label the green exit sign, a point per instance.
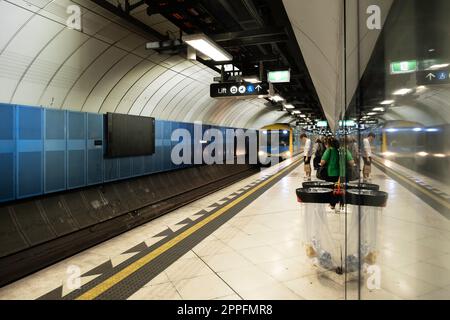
(403, 67)
(282, 76)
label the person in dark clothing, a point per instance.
(320, 149)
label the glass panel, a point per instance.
(398, 52)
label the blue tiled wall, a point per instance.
(46, 150)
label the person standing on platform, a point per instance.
(367, 156)
(307, 153)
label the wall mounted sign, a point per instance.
(433, 77)
(238, 89)
(403, 67)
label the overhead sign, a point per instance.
(322, 124)
(433, 77)
(403, 67)
(282, 76)
(238, 89)
(347, 123)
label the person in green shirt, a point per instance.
(331, 159)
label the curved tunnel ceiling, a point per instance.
(322, 43)
(105, 68)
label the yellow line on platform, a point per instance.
(418, 187)
(127, 271)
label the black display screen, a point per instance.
(129, 135)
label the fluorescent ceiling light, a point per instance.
(422, 154)
(439, 155)
(372, 114)
(386, 102)
(205, 45)
(388, 154)
(251, 79)
(391, 130)
(432, 130)
(289, 106)
(296, 112)
(277, 98)
(417, 129)
(402, 92)
(378, 109)
(303, 116)
(439, 66)
(229, 67)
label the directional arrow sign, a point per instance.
(433, 77)
(238, 89)
(430, 76)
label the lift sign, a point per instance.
(238, 89)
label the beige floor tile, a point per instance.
(442, 294)
(230, 297)
(226, 261)
(403, 285)
(164, 291)
(186, 269)
(429, 273)
(316, 287)
(243, 241)
(203, 288)
(394, 259)
(442, 261)
(261, 254)
(210, 248)
(288, 269)
(275, 291)
(247, 278)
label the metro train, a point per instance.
(288, 138)
(425, 150)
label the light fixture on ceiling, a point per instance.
(277, 98)
(387, 102)
(439, 155)
(439, 66)
(289, 106)
(296, 112)
(229, 67)
(417, 129)
(205, 45)
(391, 130)
(422, 154)
(303, 116)
(251, 79)
(402, 92)
(431, 50)
(372, 114)
(379, 109)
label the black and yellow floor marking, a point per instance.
(121, 281)
(437, 199)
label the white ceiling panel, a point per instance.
(87, 81)
(120, 90)
(108, 81)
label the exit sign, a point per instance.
(403, 67)
(282, 76)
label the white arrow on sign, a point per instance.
(430, 76)
(258, 87)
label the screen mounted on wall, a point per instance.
(129, 135)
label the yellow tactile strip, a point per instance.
(111, 277)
